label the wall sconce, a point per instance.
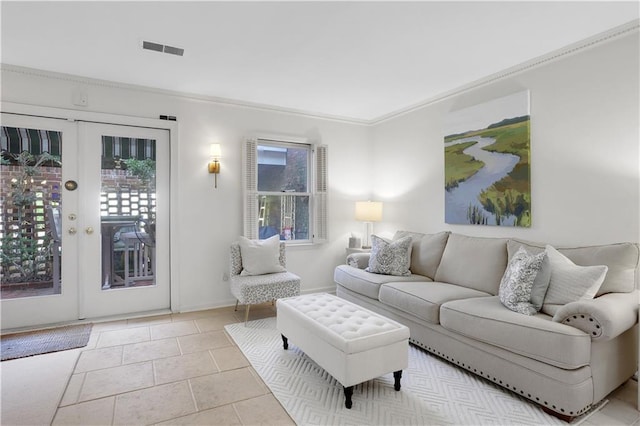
(214, 165)
(368, 212)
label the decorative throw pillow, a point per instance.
(517, 281)
(541, 282)
(570, 282)
(260, 256)
(390, 257)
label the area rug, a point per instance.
(20, 345)
(433, 391)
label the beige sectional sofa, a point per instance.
(566, 359)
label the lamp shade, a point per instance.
(369, 211)
(215, 151)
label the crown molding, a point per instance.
(183, 95)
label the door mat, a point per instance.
(20, 345)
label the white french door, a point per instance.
(84, 220)
(38, 219)
(124, 244)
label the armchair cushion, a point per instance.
(260, 257)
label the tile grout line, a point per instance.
(214, 360)
(193, 396)
(66, 386)
(113, 411)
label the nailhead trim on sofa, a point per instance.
(497, 381)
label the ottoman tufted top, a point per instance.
(344, 325)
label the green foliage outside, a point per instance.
(145, 170)
(510, 195)
(24, 258)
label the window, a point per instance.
(285, 190)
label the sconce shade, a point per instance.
(214, 151)
(369, 211)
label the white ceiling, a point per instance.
(358, 60)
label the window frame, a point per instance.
(316, 179)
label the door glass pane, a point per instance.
(30, 208)
(128, 212)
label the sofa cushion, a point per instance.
(426, 252)
(486, 320)
(570, 282)
(622, 260)
(366, 283)
(473, 262)
(541, 282)
(423, 299)
(390, 257)
(517, 281)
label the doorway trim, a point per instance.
(125, 120)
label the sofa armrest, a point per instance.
(604, 317)
(358, 260)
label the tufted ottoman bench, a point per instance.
(351, 343)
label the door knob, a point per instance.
(89, 230)
(72, 231)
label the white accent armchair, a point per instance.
(252, 289)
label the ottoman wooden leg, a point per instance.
(397, 375)
(348, 392)
(285, 342)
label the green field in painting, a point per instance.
(459, 166)
(510, 195)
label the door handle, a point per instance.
(72, 231)
(89, 230)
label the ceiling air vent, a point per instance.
(149, 45)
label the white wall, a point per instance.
(585, 170)
(210, 219)
(584, 153)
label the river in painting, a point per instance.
(496, 166)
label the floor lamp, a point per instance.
(368, 212)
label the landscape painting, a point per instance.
(487, 163)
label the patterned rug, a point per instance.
(433, 391)
(20, 345)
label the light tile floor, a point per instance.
(169, 369)
(183, 369)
